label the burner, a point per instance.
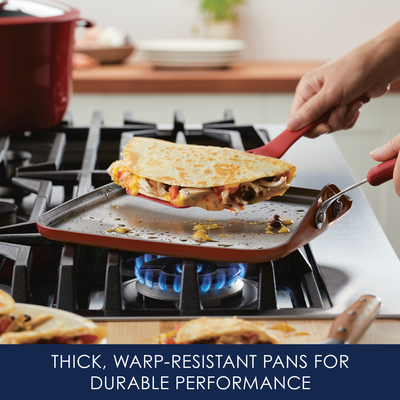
(160, 278)
(7, 213)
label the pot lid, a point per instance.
(31, 11)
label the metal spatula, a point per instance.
(376, 176)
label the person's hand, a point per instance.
(340, 87)
(390, 150)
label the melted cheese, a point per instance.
(209, 203)
(201, 236)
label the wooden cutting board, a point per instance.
(381, 331)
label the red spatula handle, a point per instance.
(277, 147)
(381, 173)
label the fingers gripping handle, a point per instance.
(382, 172)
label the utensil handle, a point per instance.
(349, 326)
(277, 147)
(382, 172)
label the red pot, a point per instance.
(36, 44)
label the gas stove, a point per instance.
(41, 170)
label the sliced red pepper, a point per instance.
(4, 324)
(88, 338)
(58, 340)
(169, 341)
(233, 189)
(286, 175)
(119, 173)
(250, 338)
(173, 192)
(179, 326)
(219, 189)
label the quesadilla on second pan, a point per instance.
(218, 331)
(12, 320)
(214, 178)
(81, 335)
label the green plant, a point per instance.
(220, 9)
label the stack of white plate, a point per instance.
(191, 53)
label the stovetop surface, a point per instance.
(351, 259)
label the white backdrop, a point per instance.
(310, 30)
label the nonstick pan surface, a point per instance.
(109, 218)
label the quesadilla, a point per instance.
(218, 331)
(81, 335)
(12, 320)
(213, 178)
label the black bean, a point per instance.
(278, 218)
(275, 223)
(27, 318)
(166, 187)
(249, 194)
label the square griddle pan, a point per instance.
(149, 227)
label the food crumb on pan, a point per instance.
(118, 229)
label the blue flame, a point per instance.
(206, 284)
(162, 281)
(147, 257)
(138, 275)
(177, 283)
(221, 279)
(179, 268)
(139, 261)
(242, 271)
(149, 277)
(232, 273)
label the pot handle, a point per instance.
(86, 23)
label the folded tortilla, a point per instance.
(214, 178)
(12, 320)
(218, 331)
(77, 335)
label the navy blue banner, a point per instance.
(199, 371)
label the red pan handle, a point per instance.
(277, 147)
(382, 172)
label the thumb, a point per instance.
(389, 150)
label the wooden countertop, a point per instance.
(243, 77)
(381, 331)
(249, 77)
